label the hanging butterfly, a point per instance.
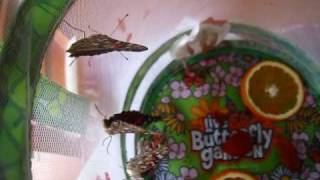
(144, 163)
(128, 122)
(100, 44)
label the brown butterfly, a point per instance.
(100, 44)
(147, 161)
(128, 122)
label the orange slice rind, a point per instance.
(233, 175)
(272, 90)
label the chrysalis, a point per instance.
(142, 164)
(100, 44)
(203, 38)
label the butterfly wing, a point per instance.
(128, 122)
(134, 117)
(120, 127)
(100, 44)
(145, 162)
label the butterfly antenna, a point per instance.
(74, 60)
(108, 145)
(75, 28)
(125, 57)
(117, 26)
(98, 110)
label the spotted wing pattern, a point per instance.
(100, 44)
(145, 162)
(120, 127)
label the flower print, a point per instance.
(188, 173)
(283, 173)
(299, 121)
(165, 100)
(305, 173)
(201, 91)
(247, 60)
(310, 175)
(205, 109)
(299, 141)
(233, 78)
(229, 58)
(203, 63)
(295, 124)
(300, 136)
(309, 100)
(175, 122)
(301, 148)
(222, 58)
(218, 72)
(191, 78)
(314, 176)
(176, 150)
(164, 108)
(179, 90)
(208, 62)
(218, 89)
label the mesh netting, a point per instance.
(59, 120)
(48, 139)
(56, 107)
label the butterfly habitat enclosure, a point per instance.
(197, 104)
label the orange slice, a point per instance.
(272, 90)
(233, 175)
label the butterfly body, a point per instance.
(100, 44)
(128, 122)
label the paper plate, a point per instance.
(201, 113)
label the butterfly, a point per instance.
(100, 44)
(147, 161)
(127, 122)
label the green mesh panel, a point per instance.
(59, 119)
(54, 106)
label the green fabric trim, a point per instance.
(20, 63)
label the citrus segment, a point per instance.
(272, 90)
(233, 175)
